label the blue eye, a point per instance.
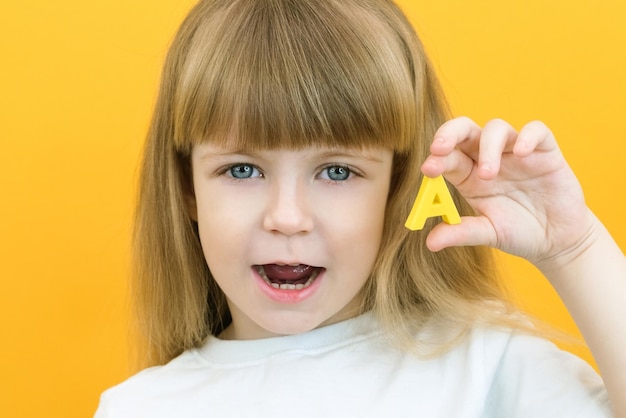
(337, 173)
(243, 171)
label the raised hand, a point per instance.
(528, 200)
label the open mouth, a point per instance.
(288, 277)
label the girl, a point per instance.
(274, 274)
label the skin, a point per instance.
(314, 206)
(530, 204)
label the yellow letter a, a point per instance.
(433, 199)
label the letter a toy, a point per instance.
(433, 199)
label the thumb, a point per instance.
(473, 230)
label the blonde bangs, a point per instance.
(291, 74)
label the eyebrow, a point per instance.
(331, 153)
(352, 154)
(226, 153)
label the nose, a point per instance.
(288, 211)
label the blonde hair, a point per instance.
(296, 73)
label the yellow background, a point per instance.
(77, 83)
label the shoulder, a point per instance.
(513, 372)
(530, 376)
(153, 384)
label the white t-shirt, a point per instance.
(347, 370)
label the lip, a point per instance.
(288, 296)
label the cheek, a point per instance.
(358, 227)
(223, 208)
(371, 217)
(370, 234)
(224, 230)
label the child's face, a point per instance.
(290, 236)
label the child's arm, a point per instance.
(530, 204)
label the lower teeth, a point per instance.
(287, 286)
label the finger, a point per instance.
(456, 166)
(446, 157)
(473, 230)
(454, 132)
(497, 137)
(534, 136)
